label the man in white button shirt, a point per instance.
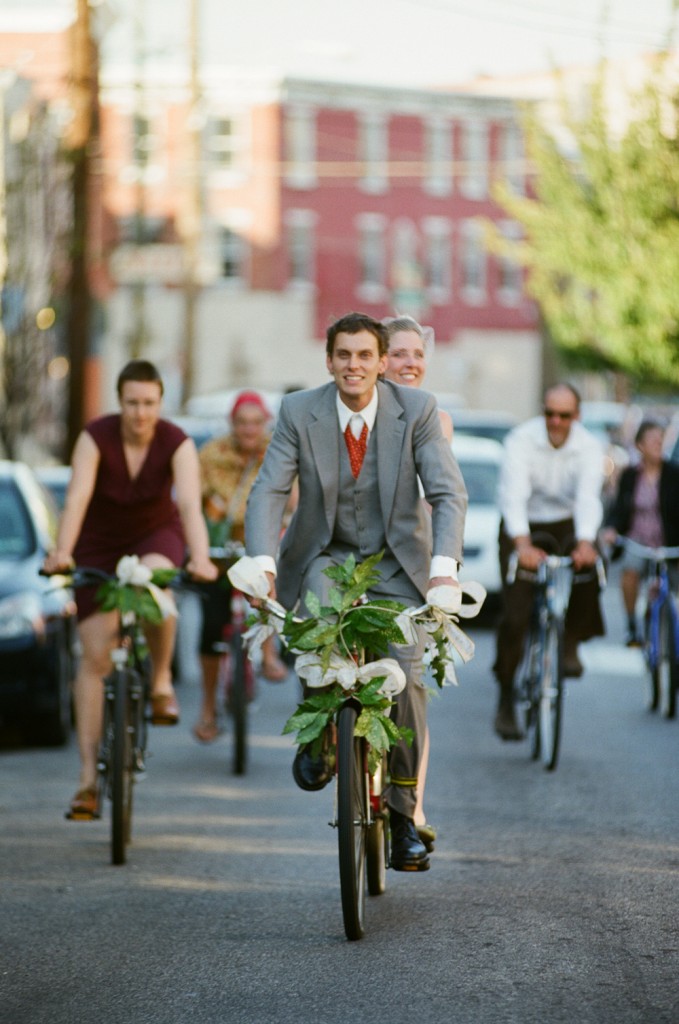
(550, 483)
(351, 503)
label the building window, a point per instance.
(437, 258)
(406, 269)
(300, 228)
(474, 154)
(472, 263)
(510, 276)
(512, 157)
(438, 158)
(300, 147)
(372, 257)
(232, 254)
(373, 152)
(224, 142)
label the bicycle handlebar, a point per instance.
(661, 554)
(552, 562)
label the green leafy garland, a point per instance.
(353, 631)
(114, 595)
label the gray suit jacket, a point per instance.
(305, 445)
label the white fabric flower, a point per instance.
(407, 626)
(248, 576)
(131, 572)
(395, 677)
(477, 592)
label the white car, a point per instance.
(479, 459)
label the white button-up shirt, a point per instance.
(543, 484)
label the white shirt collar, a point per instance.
(368, 414)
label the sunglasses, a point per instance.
(554, 414)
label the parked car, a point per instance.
(37, 618)
(55, 479)
(489, 423)
(479, 459)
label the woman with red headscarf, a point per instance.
(229, 465)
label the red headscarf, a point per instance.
(249, 398)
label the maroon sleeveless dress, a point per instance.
(128, 516)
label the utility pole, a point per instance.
(194, 207)
(139, 333)
(82, 131)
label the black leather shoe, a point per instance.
(506, 725)
(310, 773)
(408, 852)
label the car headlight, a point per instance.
(21, 614)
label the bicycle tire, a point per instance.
(238, 703)
(121, 766)
(653, 674)
(667, 669)
(352, 821)
(526, 702)
(551, 694)
(377, 837)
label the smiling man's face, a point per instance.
(356, 364)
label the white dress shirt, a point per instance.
(543, 484)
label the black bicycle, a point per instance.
(236, 674)
(127, 688)
(539, 681)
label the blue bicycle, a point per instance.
(661, 625)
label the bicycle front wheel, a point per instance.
(121, 765)
(551, 695)
(238, 703)
(352, 820)
(667, 668)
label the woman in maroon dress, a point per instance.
(135, 489)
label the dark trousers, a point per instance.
(583, 617)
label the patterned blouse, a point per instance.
(226, 479)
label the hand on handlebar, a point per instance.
(584, 555)
(202, 569)
(57, 562)
(529, 556)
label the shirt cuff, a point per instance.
(441, 565)
(267, 563)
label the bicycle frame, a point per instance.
(661, 649)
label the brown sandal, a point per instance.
(84, 805)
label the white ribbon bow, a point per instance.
(133, 573)
(348, 674)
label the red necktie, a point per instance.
(356, 447)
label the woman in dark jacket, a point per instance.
(645, 509)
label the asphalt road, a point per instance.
(552, 897)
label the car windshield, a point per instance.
(481, 479)
(16, 534)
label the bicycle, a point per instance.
(539, 681)
(121, 757)
(661, 627)
(350, 718)
(236, 678)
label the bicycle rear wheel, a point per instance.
(121, 766)
(550, 695)
(238, 702)
(667, 669)
(352, 821)
(377, 837)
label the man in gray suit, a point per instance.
(363, 504)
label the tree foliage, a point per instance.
(601, 231)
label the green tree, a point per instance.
(601, 230)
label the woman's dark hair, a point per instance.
(354, 323)
(644, 428)
(139, 370)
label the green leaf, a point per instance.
(313, 604)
